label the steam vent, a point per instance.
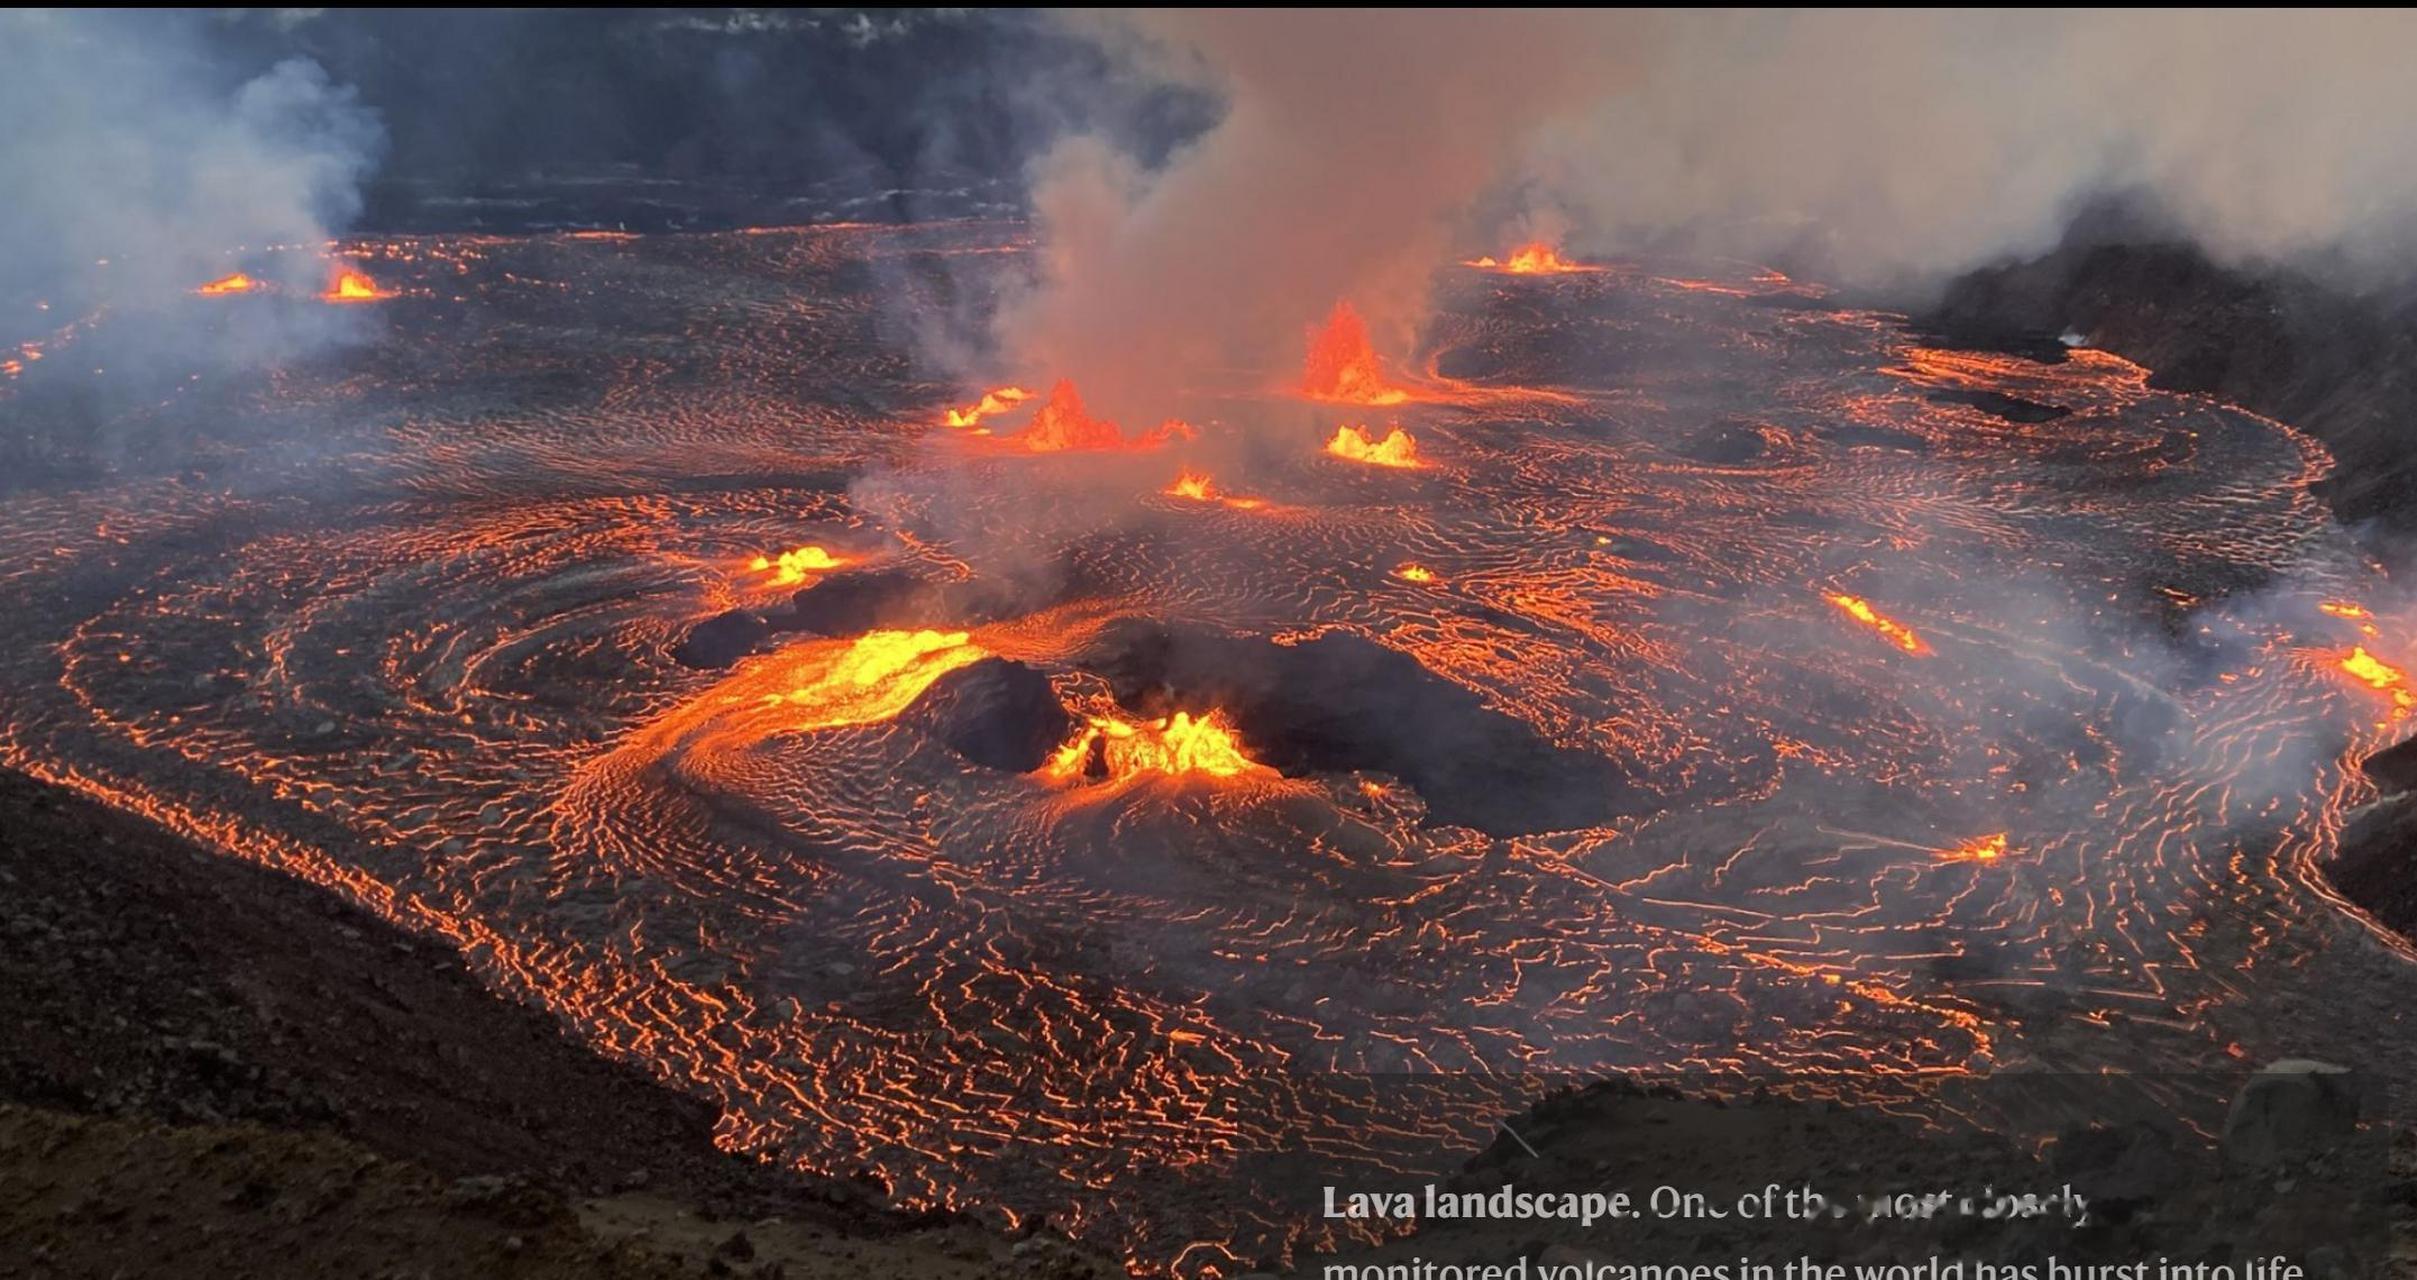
(1372, 645)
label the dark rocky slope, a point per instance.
(211, 1069)
(2340, 366)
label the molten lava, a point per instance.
(873, 679)
(1534, 259)
(1897, 632)
(1192, 486)
(1115, 748)
(350, 285)
(2380, 676)
(236, 283)
(1395, 450)
(791, 567)
(998, 401)
(1342, 366)
(1063, 424)
(1987, 848)
(1415, 573)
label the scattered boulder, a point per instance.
(2289, 1111)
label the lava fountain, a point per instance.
(1111, 747)
(1397, 449)
(350, 284)
(1343, 366)
(792, 567)
(996, 401)
(1534, 259)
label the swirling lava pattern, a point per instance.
(409, 639)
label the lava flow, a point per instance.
(942, 874)
(1988, 848)
(236, 283)
(1897, 632)
(867, 680)
(2379, 675)
(993, 402)
(794, 566)
(1397, 449)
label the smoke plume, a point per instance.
(1349, 148)
(138, 166)
(1881, 150)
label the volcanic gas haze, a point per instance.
(1349, 145)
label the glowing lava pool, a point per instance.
(1952, 712)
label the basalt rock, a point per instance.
(2340, 366)
(854, 602)
(2375, 861)
(2395, 767)
(2289, 1111)
(721, 640)
(1340, 703)
(996, 713)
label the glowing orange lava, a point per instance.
(1193, 485)
(1987, 848)
(236, 283)
(1395, 450)
(996, 401)
(1534, 259)
(1897, 632)
(1342, 366)
(873, 679)
(350, 285)
(1115, 748)
(1415, 573)
(791, 567)
(2379, 675)
(2343, 609)
(1063, 424)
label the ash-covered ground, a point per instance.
(1737, 686)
